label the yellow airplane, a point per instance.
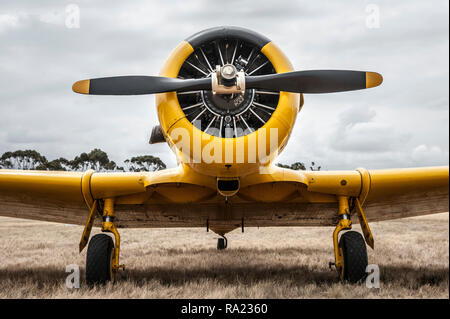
(227, 100)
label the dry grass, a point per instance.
(413, 256)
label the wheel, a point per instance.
(354, 254)
(99, 260)
(221, 244)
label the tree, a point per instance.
(145, 163)
(299, 166)
(99, 160)
(111, 166)
(80, 163)
(60, 164)
(313, 168)
(295, 166)
(96, 159)
(5, 163)
(28, 159)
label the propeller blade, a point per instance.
(135, 85)
(316, 81)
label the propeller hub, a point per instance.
(228, 73)
(228, 104)
(227, 80)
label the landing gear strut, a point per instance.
(350, 251)
(222, 243)
(102, 260)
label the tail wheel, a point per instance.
(221, 243)
(99, 260)
(354, 253)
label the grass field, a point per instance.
(413, 256)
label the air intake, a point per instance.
(227, 186)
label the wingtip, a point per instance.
(81, 87)
(373, 79)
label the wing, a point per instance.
(66, 197)
(49, 196)
(310, 197)
(181, 197)
(398, 193)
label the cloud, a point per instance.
(8, 21)
(356, 115)
(383, 127)
(428, 154)
(358, 131)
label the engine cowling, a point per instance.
(226, 132)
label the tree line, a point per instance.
(96, 159)
(300, 166)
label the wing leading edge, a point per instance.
(182, 198)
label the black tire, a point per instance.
(98, 260)
(221, 244)
(354, 253)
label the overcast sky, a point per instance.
(403, 123)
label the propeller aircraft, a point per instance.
(227, 99)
